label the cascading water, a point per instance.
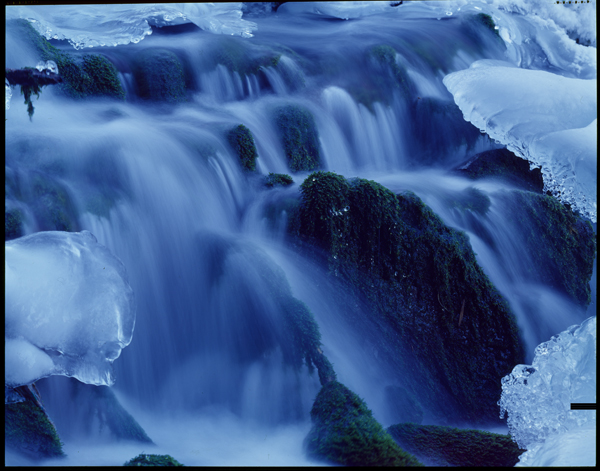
(159, 185)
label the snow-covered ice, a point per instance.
(69, 308)
(547, 119)
(538, 400)
(112, 25)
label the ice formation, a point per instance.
(49, 66)
(112, 25)
(69, 309)
(7, 94)
(547, 119)
(538, 397)
(342, 10)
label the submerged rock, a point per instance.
(28, 429)
(446, 446)
(299, 136)
(422, 284)
(345, 432)
(504, 165)
(160, 76)
(278, 179)
(13, 224)
(241, 140)
(153, 460)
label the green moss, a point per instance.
(278, 179)
(160, 76)
(446, 446)
(561, 245)
(299, 137)
(504, 165)
(419, 278)
(384, 57)
(52, 206)
(488, 22)
(345, 432)
(94, 75)
(28, 430)
(241, 140)
(153, 460)
(238, 56)
(13, 224)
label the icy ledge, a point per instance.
(538, 399)
(547, 119)
(69, 308)
(115, 24)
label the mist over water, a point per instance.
(204, 375)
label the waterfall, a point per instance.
(161, 187)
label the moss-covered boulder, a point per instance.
(160, 76)
(153, 460)
(446, 446)
(88, 75)
(278, 179)
(345, 432)
(502, 164)
(241, 140)
(13, 224)
(52, 205)
(420, 279)
(560, 244)
(299, 136)
(28, 429)
(239, 56)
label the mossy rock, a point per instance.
(160, 76)
(13, 224)
(278, 179)
(561, 245)
(52, 206)
(488, 22)
(345, 432)
(92, 75)
(469, 199)
(419, 278)
(438, 127)
(28, 429)
(299, 136)
(504, 165)
(241, 140)
(153, 460)
(238, 56)
(446, 446)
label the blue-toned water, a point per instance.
(203, 375)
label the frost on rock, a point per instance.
(538, 397)
(116, 24)
(544, 118)
(69, 309)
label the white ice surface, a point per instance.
(69, 309)
(115, 24)
(538, 400)
(544, 118)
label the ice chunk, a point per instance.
(49, 66)
(544, 118)
(115, 24)
(7, 94)
(69, 308)
(342, 10)
(538, 397)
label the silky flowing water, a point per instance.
(190, 225)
